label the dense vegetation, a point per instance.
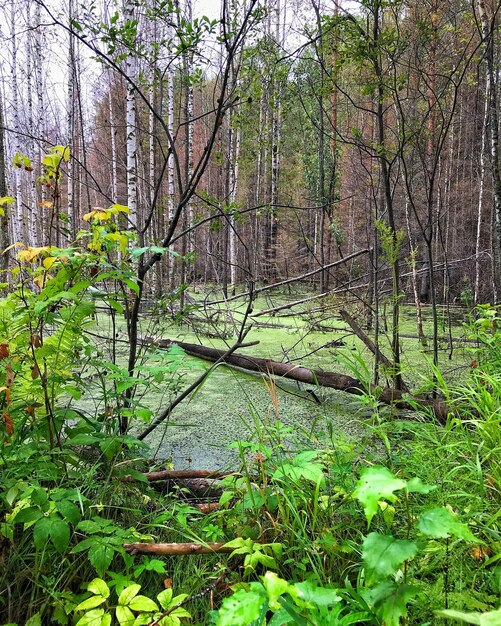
(291, 203)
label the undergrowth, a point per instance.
(325, 531)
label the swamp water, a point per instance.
(232, 405)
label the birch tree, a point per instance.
(488, 30)
(131, 117)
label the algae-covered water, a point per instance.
(233, 405)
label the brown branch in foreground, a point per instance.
(333, 380)
(179, 474)
(174, 549)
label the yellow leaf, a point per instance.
(97, 214)
(119, 208)
(6, 200)
(39, 281)
(46, 203)
(30, 254)
(49, 262)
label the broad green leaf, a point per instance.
(98, 586)
(29, 514)
(39, 497)
(41, 532)
(142, 603)
(128, 594)
(241, 609)
(92, 618)
(304, 465)
(69, 511)
(375, 484)
(124, 615)
(383, 554)
(440, 522)
(390, 601)
(59, 533)
(416, 485)
(275, 587)
(165, 597)
(320, 596)
(100, 556)
(492, 618)
(90, 603)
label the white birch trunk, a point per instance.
(170, 157)
(481, 192)
(18, 223)
(235, 156)
(44, 212)
(131, 129)
(71, 122)
(113, 137)
(33, 203)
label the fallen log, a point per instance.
(332, 380)
(179, 475)
(174, 549)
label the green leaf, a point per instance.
(165, 597)
(376, 483)
(304, 465)
(320, 596)
(100, 556)
(416, 485)
(90, 603)
(241, 609)
(29, 514)
(275, 587)
(492, 618)
(34, 620)
(383, 554)
(128, 594)
(92, 618)
(390, 601)
(125, 616)
(142, 603)
(41, 532)
(92, 526)
(98, 586)
(59, 533)
(439, 522)
(39, 497)
(69, 511)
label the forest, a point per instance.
(250, 299)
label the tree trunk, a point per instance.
(333, 380)
(488, 30)
(131, 128)
(4, 219)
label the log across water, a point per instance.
(333, 380)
